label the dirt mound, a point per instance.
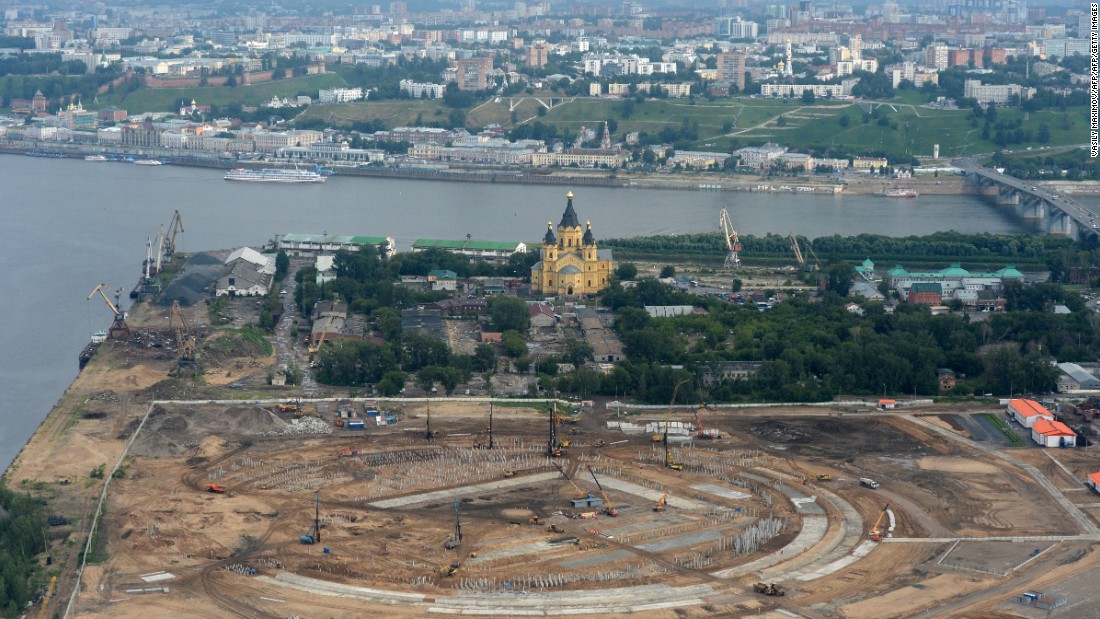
(170, 432)
(780, 432)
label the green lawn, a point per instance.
(166, 99)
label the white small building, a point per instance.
(1027, 412)
(1094, 481)
(242, 278)
(339, 95)
(265, 263)
(1048, 433)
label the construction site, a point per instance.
(230, 496)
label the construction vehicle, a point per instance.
(491, 445)
(509, 474)
(450, 570)
(703, 433)
(119, 328)
(661, 503)
(733, 243)
(315, 348)
(289, 407)
(769, 589)
(314, 536)
(867, 482)
(875, 534)
(430, 434)
(534, 520)
(553, 445)
(581, 494)
(555, 529)
(609, 509)
(215, 488)
(186, 363)
(456, 539)
(669, 462)
(823, 477)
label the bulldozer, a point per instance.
(823, 477)
(769, 589)
(215, 488)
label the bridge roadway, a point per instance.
(1044, 205)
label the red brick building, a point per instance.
(926, 294)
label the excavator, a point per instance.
(660, 507)
(768, 589)
(876, 530)
(703, 433)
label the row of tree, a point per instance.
(22, 539)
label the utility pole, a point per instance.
(490, 422)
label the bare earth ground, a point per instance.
(387, 499)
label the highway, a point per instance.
(1087, 221)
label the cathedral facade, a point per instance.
(571, 263)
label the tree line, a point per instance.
(22, 539)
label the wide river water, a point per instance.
(68, 225)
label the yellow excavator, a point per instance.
(876, 530)
(660, 507)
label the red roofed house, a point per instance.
(542, 315)
(1053, 434)
(1027, 412)
(1094, 481)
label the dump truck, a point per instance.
(867, 482)
(768, 589)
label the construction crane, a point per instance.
(660, 507)
(581, 494)
(490, 424)
(610, 509)
(733, 242)
(170, 242)
(669, 462)
(314, 536)
(320, 342)
(876, 530)
(185, 341)
(553, 445)
(119, 328)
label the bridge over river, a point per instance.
(1051, 212)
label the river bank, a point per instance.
(802, 184)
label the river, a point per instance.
(69, 225)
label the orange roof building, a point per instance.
(1094, 481)
(1027, 412)
(1049, 433)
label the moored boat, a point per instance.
(898, 192)
(274, 175)
(95, 158)
(148, 162)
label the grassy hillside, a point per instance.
(166, 99)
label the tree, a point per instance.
(282, 265)
(839, 278)
(485, 358)
(626, 271)
(844, 120)
(668, 271)
(392, 383)
(509, 314)
(808, 97)
(577, 352)
(514, 344)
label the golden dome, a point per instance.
(569, 195)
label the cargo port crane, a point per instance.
(733, 242)
(186, 362)
(800, 258)
(175, 227)
(119, 328)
